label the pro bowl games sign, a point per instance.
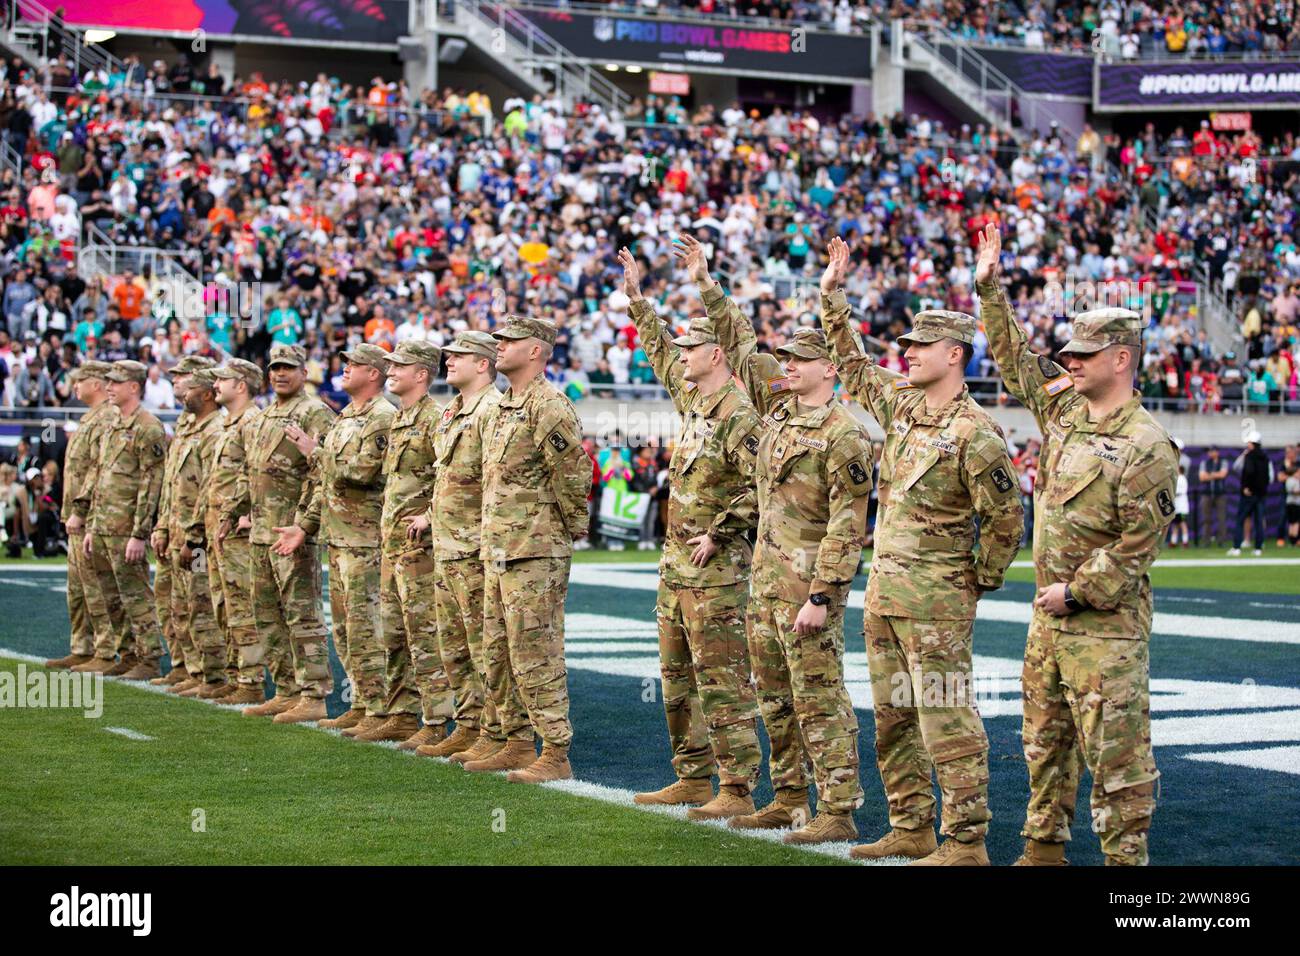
(707, 47)
(1197, 85)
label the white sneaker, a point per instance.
(1234, 552)
(616, 546)
(1258, 552)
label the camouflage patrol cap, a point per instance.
(204, 377)
(190, 364)
(935, 324)
(523, 327)
(282, 354)
(417, 353)
(700, 332)
(92, 369)
(807, 344)
(126, 370)
(481, 344)
(367, 354)
(1101, 328)
(240, 369)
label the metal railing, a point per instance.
(33, 29)
(549, 65)
(624, 8)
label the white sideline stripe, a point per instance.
(128, 733)
(1280, 759)
(579, 788)
(1018, 612)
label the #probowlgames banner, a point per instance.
(1197, 85)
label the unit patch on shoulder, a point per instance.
(858, 474)
(382, 442)
(157, 450)
(1166, 503)
(1001, 480)
(558, 441)
(1047, 367)
(751, 444)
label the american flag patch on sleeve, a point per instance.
(775, 385)
(1057, 385)
(902, 383)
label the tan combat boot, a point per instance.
(142, 671)
(513, 755)
(730, 802)
(553, 764)
(913, 844)
(100, 665)
(276, 705)
(225, 690)
(183, 688)
(480, 749)
(213, 691)
(1042, 853)
(71, 660)
(462, 740)
(690, 790)
(245, 694)
(396, 727)
(307, 710)
(429, 734)
(789, 809)
(174, 676)
(826, 827)
(955, 853)
(366, 724)
(349, 718)
(123, 665)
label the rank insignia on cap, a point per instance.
(1001, 480)
(558, 441)
(751, 444)
(1166, 503)
(857, 474)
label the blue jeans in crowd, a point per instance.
(1252, 507)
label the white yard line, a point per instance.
(128, 733)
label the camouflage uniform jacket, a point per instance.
(456, 510)
(410, 465)
(163, 518)
(813, 475)
(80, 460)
(188, 481)
(277, 491)
(124, 499)
(1104, 494)
(940, 469)
(712, 464)
(227, 482)
(536, 475)
(347, 476)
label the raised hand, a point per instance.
(631, 274)
(988, 264)
(306, 443)
(838, 266)
(690, 255)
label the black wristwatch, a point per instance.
(819, 599)
(1071, 602)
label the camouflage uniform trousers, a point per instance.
(354, 611)
(414, 679)
(212, 557)
(523, 647)
(709, 698)
(233, 569)
(1094, 688)
(196, 619)
(805, 705)
(96, 618)
(162, 599)
(287, 614)
(129, 582)
(458, 602)
(924, 700)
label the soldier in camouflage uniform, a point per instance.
(94, 618)
(122, 505)
(230, 557)
(187, 541)
(1103, 501)
(536, 478)
(455, 515)
(286, 579)
(944, 466)
(704, 574)
(415, 684)
(169, 600)
(347, 504)
(813, 488)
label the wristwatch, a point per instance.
(1071, 602)
(819, 600)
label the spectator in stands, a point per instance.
(1256, 472)
(1212, 504)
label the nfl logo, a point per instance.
(604, 28)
